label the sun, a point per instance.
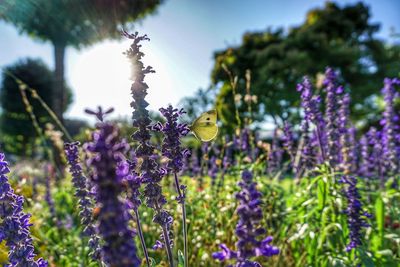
(100, 75)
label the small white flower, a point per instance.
(205, 257)
(223, 209)
(238, 98)
(247, 98)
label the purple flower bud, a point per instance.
(333, 91)
(14, 224)
(248, 229)
(84, 197)
(389, 131)
(119, 248)
(355, 213)
(158, 245)
(173, 132)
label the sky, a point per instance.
(184, 35)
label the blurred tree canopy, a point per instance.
(340, 37)
(73, 23)
(18, 133)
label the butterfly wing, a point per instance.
(205, 127)
(209, 116)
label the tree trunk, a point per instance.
(59, 96)
(59, 99)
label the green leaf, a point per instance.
(380, 219)
(385, 252)
(152, 262)
(181, 259)
(366, 258)
(321, 194)
(328, 230)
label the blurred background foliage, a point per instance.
(340, 37)
(16, 126)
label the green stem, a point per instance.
(168, 246)
(167, 241)
(182, 202)
(140, 231)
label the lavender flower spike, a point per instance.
(288, 141)
(14, 224)
(173, 132)
(389, 132)
(171, 148)
(275, 156)
(312, 114)
(248, 230)
(356, 216)
(84, 199)
(150, 174)
(310, 105)
(119, 248)
(346, 155)
(332, 116)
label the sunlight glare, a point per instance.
(101, 74)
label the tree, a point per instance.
(75, 23)
(15, 123)
(340, 37)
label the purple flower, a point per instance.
(353, 149)
(346, 153)
(158, 245)
(275, 156)
(333, 91)
(288, 141)
(108, 152)
(228, 159)
(389, 130)
(100, 114)
(134, 182)
(245, 142)
(356, 216)
(248, 229)
(173, 132)
(224, 254)
(150, 174)
(171, 149)
(14, 224)
(195, 165)
(213, 169)
(82, 193)
(310, 104)
(376, 161)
